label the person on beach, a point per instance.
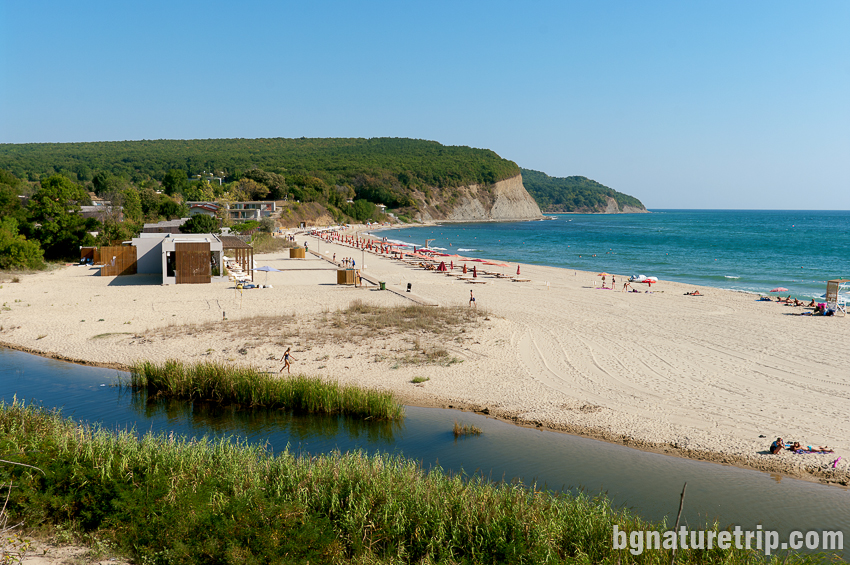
(613, 283)
(334, 257)
(472, 299)
(777, 446)
(287, 358)
(626, 286)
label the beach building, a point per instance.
(238, 211)
(180, 258)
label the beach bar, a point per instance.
(178, 258)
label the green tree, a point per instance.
(55, 208)
(267, 225)
(132, 204)
(105, 183)
(150, 201)
(16, 252)
(249, 189)
(201, 191)
(200, 223)
(174, 181)
(170, 209)
(362, 210)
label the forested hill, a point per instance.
(394, 164)
(575, 194)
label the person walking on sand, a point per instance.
(286, 360)
(472, 299)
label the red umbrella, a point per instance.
(517, 270)
(474, 271)
(779, 289)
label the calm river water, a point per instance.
(648, 483)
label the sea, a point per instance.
(752, 251)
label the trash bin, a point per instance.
(409, 287)
(382, 285)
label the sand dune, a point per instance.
(703, 377)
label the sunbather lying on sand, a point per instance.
(797, 448)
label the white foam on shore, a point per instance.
(462, 249)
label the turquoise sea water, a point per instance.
(745, 250)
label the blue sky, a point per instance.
(681, 104)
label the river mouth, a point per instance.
(647, 483)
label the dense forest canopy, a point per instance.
(572, 194)
(379, 161)
(44, 185)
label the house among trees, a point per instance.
(238, 211)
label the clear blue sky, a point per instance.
(682, 104)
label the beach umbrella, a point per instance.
(517, 270)
(779, 289)
(268, 270)
(475, 271)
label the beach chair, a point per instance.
(835, 300)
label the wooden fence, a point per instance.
(118, 260)
(193, 263)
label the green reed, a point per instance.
(162, 499)
(233, 384)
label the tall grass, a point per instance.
(170, 500)
(465, 430)
(232, 384)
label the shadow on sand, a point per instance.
(134, 280)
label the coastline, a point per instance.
(643, 370)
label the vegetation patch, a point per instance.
(266, 243)
(247, 386)
(465, 430)
(161, 499)
(428, 327)
(110, 334)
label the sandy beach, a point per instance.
(714, 377)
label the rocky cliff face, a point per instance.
(613, 208)
(504, 200)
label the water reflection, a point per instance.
(648, 483)
(205, 417)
